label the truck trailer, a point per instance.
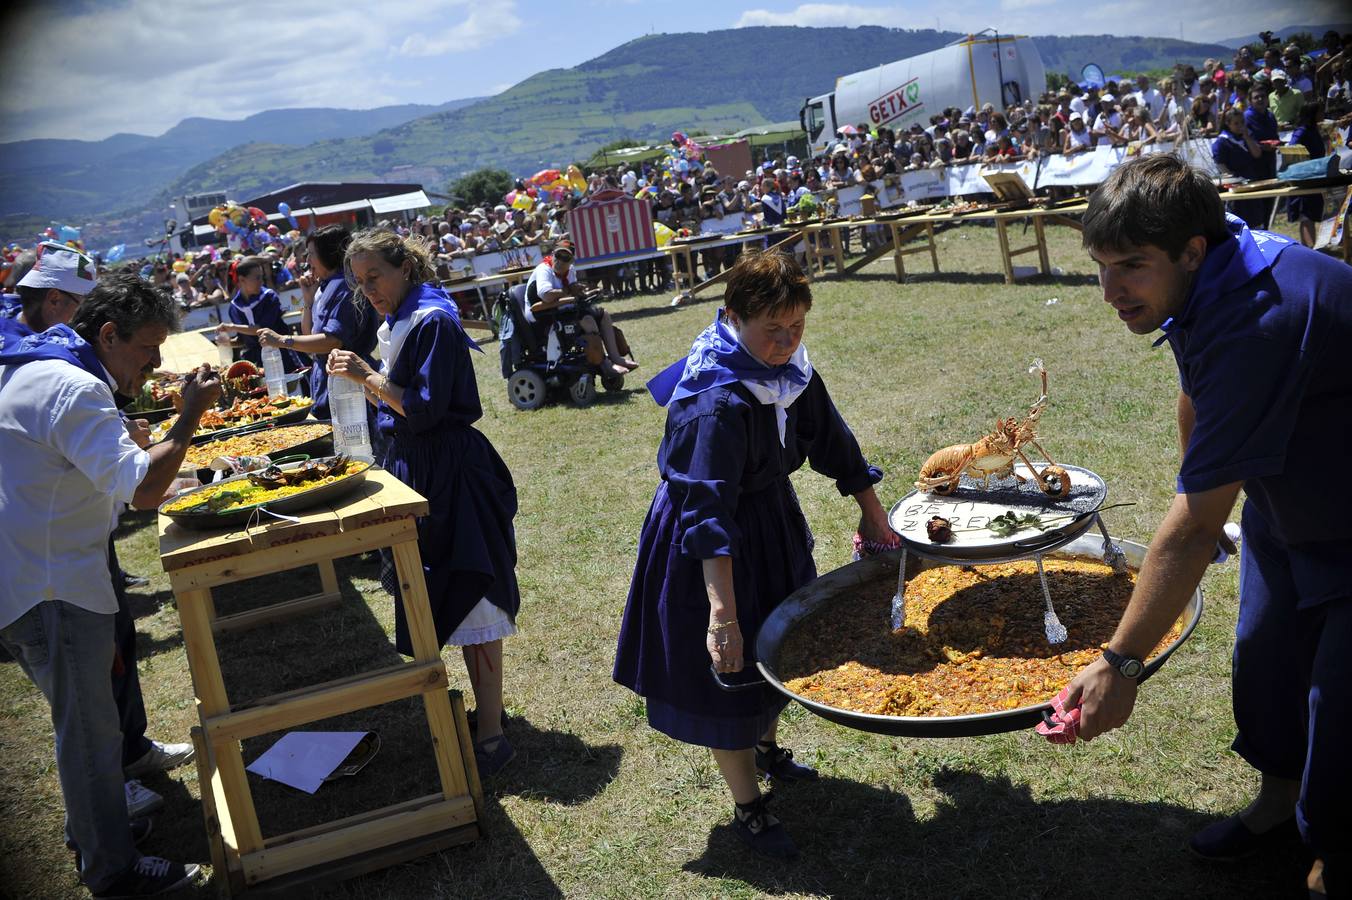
(986, 68)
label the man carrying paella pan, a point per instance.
(1261, 330)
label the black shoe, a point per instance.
(761, 831)
(472, 717)
(1230, 839)
(151, 875)
(140, 830)
(134, 581)
(774, 761)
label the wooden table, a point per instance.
(382, 512)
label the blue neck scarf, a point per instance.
(1228, 266)
(57, 342)
(718, 358)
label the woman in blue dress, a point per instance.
(331, 320)
(427, 402)
(725, 541)
(1308, 209)
(255, 307)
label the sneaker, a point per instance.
(140, 830)
(159, 758)
(151, 875)
(776, 762)
(491, 762)
(1230, 839)
(141, 800)
(761, 830)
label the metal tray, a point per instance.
(313, 448)
(211, 521)
(807, 600)
(971, 506)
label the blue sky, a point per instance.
(84, 69)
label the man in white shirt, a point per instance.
(68, 465)
(1108, 124)
(1149, 98)
(550, 287)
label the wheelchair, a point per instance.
(551, 353)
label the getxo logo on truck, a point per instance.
(897, 102)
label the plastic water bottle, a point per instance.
(226, 353)
(347, 406)
(274, 373)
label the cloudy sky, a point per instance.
(87, 69)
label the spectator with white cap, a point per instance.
(50, 292)
(1078, 138)
(1284, 101)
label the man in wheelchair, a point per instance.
(554, 293)
(553, 334)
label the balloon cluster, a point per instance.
(556, 185)
(63, 234)
(242, 222)
(683, 156)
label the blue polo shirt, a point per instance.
(11, 329)
(1264, 350)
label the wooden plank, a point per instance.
(1043, 260)
(204, 759)
(467, 751)
(371, 815)
(280, 558)
(1000, 229)
(235, 809)
(294, 708)
(328, 577)
(898, 257)
(934, 251)
(277, 612)
(422, 635)
(344, 842)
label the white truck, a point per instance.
(978, 69)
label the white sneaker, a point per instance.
(141, 799)
(159, 758)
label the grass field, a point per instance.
(599, 805)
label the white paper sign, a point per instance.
(303, 759)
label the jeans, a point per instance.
(131, 706)
(67, 651)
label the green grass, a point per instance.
(599, 805)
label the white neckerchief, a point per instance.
(782, 391)
(391, 340)
(248, 310)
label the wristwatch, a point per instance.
(1126, 666)
(288, 342)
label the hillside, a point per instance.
(644, 89)
(66, 178)
(1316, 30)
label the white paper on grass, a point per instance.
(303, 759)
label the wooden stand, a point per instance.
(903, 231)
(1039, 246)
(381, 513)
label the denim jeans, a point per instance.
(67, 651)
(131, 706)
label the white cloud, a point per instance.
(828, 15)
(488, 21)
(1025, 4)
(143, 65)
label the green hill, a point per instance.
(66, 178)
(708, 82)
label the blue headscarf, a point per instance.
(57, 342)
(1230, 265)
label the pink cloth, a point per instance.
(1065, 723)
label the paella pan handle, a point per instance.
(1145, 675)
(295, 457)
(736, 686)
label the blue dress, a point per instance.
(337, 315)
(265, 312)
(467, 541)
(725, 491)
(1307, 206)
(1231, 153)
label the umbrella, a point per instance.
(848, 129)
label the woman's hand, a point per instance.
(725, 646)
(873, 524)
(346, 364)
(269, 338)
(309, 284)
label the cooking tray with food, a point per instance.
(811, 606)
(311, 439)
(282, 488)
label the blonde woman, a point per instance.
(427, 402)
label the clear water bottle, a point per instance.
(225, 352)
(274, 373)
(347, 406)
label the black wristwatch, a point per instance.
(1126, 666)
